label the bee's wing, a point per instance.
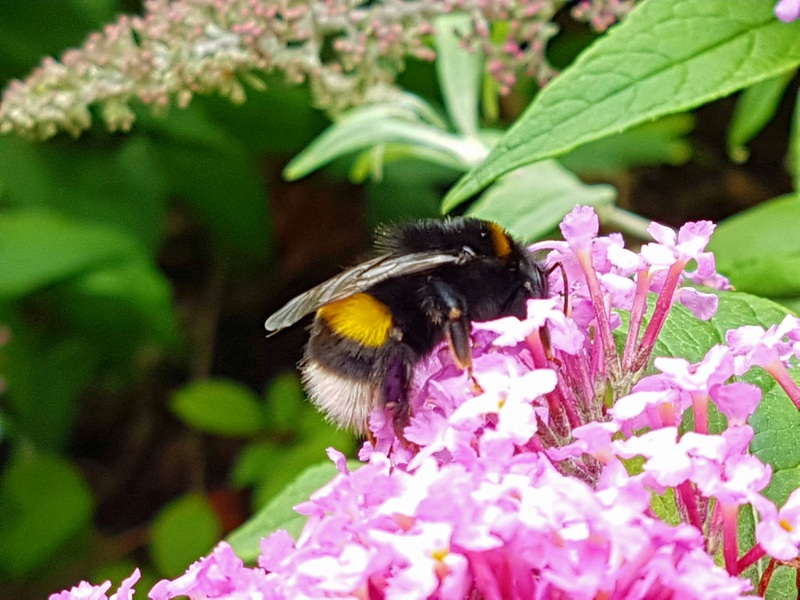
(357, 279)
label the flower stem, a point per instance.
(730, 540)
(601, 314)
(663, 304)
(643, 279)
(778, 370)
(700, 406)
(687, 498)
(766, 578)
(754, 554)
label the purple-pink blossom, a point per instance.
(534, 476)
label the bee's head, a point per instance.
(534, 276)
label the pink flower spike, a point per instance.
(779, 531)
(788, 10)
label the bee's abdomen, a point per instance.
(345, 401)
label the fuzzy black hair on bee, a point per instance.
(373, 322)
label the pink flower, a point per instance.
(86, 591)
(779, 531)
(222, 574)
(580, 228)
(788, 10)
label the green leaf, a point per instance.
(116, 181)
(185, 529)
(777, 440)
(41, 249)
(755, 107)
(531, 201)
(659, 142)
(118, 307)
(43, 503)
(686, 336)
(372, 163)
(759, 249)
(459, 70)
(286, 401)
(254, 463)
(279, 513)
(783, 585)
(794, 145)
(370, 126)
(44, 375)
(666, 57)
(220, 407)
(737, 309)
(280, 119)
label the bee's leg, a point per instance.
(395, 395)
(449, 309)
(566, 284)
(543, 332)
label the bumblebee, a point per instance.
(373, 322)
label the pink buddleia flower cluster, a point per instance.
(535, 476)
(179, 48)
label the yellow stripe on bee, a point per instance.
(361, 318)
(502, 245)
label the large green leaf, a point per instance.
(219, 406)
(43, 502)
(44, 374)
(185, 529)
(759, 249)
(40, 248)
(654, 143)
(112, 181)
(754, 109)
(666, 57)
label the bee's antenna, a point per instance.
(558, 265)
